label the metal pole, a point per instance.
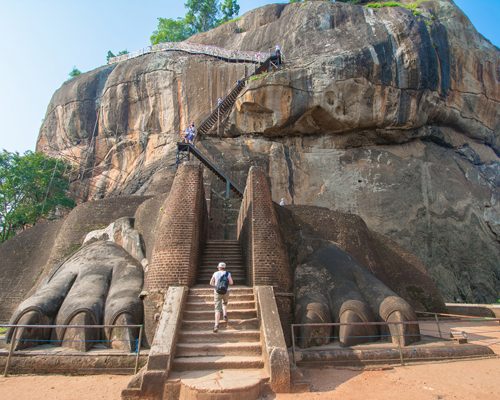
(293, 347)
(228, 188)
(400, 351)
(138, 350)
(11, 350)
(437, 323)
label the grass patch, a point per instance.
(258, 77)
(231, 20)
(3, 331)
(413, 7)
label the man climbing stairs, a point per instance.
(236, 345)
(229, 361)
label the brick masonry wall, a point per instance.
(263, 246)
(181, 232)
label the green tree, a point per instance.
(74, 73)
(171, 30)
(229, 9)
(202, 15)
(31, 186)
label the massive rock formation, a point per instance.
(378, 112)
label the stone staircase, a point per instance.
(236, 345)
(228, 363)
(228, 251)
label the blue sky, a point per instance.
(41, 41)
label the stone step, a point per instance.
(237, 290)
(236, 324)
(209, 297)
(213, 267)
(214, 349)
(212, 264)
(216, 362)
(241, 384)
(231, 270)
(207, 276)
(243, 313)
(209, 305)
(228, 243)
(224, 335)
(230, 252)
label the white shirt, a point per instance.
(217, 275)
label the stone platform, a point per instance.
(48, 359)
(381, 353)
(241, 384)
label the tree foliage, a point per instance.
(229, 10)
(74, 73)
(171, 30)
(31, 186)
(201, 16)
(111, 54)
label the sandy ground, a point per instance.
(467, 380)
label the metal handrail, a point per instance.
(195, 48)
(14, 338)
(436, 317)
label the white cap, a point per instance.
(222, 265)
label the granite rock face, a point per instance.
(381, 113)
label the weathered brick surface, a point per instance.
(265, 253)
(181, 232)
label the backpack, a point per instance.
(223, 284)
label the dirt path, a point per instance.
(58, 387)
(464, 380)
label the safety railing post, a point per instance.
(138, 350)
(400, 337)
(438, 327)
(293, 346)
(11, 351)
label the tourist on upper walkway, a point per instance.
(188, 134)
(219, 101)
(221, 281)
(282, 202)
(277, 55)
(193, 133)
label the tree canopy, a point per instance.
(74, 73)
(201, 16)
(31, 186)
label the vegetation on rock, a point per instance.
(202, 15)
(74, 73)
(31, 186)
(411, 6)
(111, 54)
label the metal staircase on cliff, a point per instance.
(184, 150)
(228, 102)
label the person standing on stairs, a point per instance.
(221, 281)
